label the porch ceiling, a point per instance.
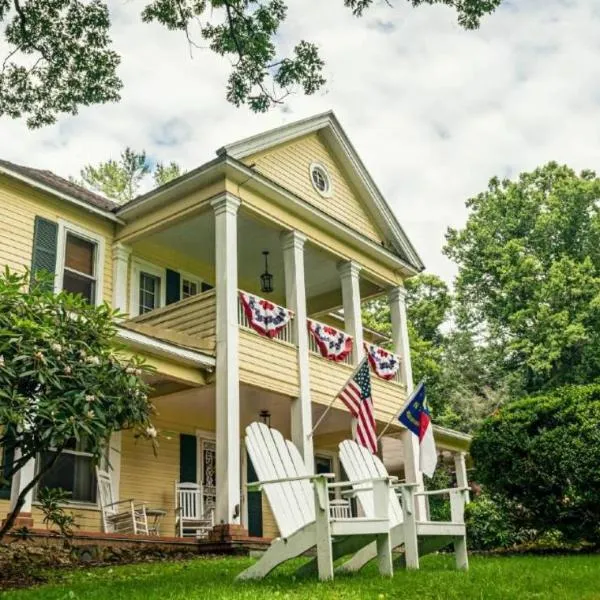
(194, 239)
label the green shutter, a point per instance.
(255, 521)
(173, 286)
(45, 237)
(188, 459)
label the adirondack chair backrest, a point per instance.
(273, 457)
(105, 493)
(360, 464)
(189, 500)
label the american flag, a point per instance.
(356, 395)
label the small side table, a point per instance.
(155, 516)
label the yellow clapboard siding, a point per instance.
(19, 205)
(289, 165)
(327, 378)
(268, 364)
(270, 529)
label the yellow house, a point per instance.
(175, 260)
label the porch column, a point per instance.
(400, 340)
(227, 511)
(121, 254)
(295, 293)
(460, 465)
(349, 275)
(20, 480)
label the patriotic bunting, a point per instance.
(384, 363)
(266, 318)
(333, 344)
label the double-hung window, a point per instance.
(79, 265)
(148, 289)
(74, 472)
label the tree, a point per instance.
(529, 275)
(63, 377)
(60, 53)
(121, 180)
(542, 455)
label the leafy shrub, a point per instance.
(542, 454)
(51, 504)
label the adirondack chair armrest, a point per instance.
(342, 484)
(258, 485)
(454, 490)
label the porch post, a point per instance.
(295, 292)
(19, 481)
(349, 275)
(400, 340)
(460, 465)
(121, 254)
(227, 514)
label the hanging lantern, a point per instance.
(265, 417)
(266, 279)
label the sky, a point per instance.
(433, 110)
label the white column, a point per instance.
(114, 463)
(295, 293)
(349, 275)
(227, 373)
(460, 465)
(121, 254)
(19, 481)
(397, 302)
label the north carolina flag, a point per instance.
(416, 418)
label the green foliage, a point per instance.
(439, 506)
(428, 305)
(60, 55)
(51, 503)
(121, 180)
(61, 377)
(529, 275)
(543, 455)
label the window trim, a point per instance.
(65, 227)
(320, 166)
(139, 265)
(335, 461)
(193, 278)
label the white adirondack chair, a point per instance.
(417, 537)
(192, 520)
(125, 516)
(300, 505)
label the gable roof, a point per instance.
(64, 188)
(339, 143)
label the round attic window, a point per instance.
(320, 179)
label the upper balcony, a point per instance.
(270, 362)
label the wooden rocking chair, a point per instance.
(192, 519)
(125, 516)
(300, 504)
(418, 537)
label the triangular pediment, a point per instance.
(287, 155)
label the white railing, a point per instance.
(285, 335)
(314, 348)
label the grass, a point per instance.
(523, 577)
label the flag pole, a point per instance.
(401, 409)
(335, 398)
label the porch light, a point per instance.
(265, 417)
(266, 279)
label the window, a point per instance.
(188, 288)
(149, 292)
(74, 472)
(148, 287)
(79, 274)
(320, 179)
(6, 463)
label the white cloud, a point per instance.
(434, 110)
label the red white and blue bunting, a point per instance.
(384, 363)
(332, 344)
(263, 316)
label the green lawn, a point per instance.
(523, 577)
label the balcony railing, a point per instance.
(285, 334)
